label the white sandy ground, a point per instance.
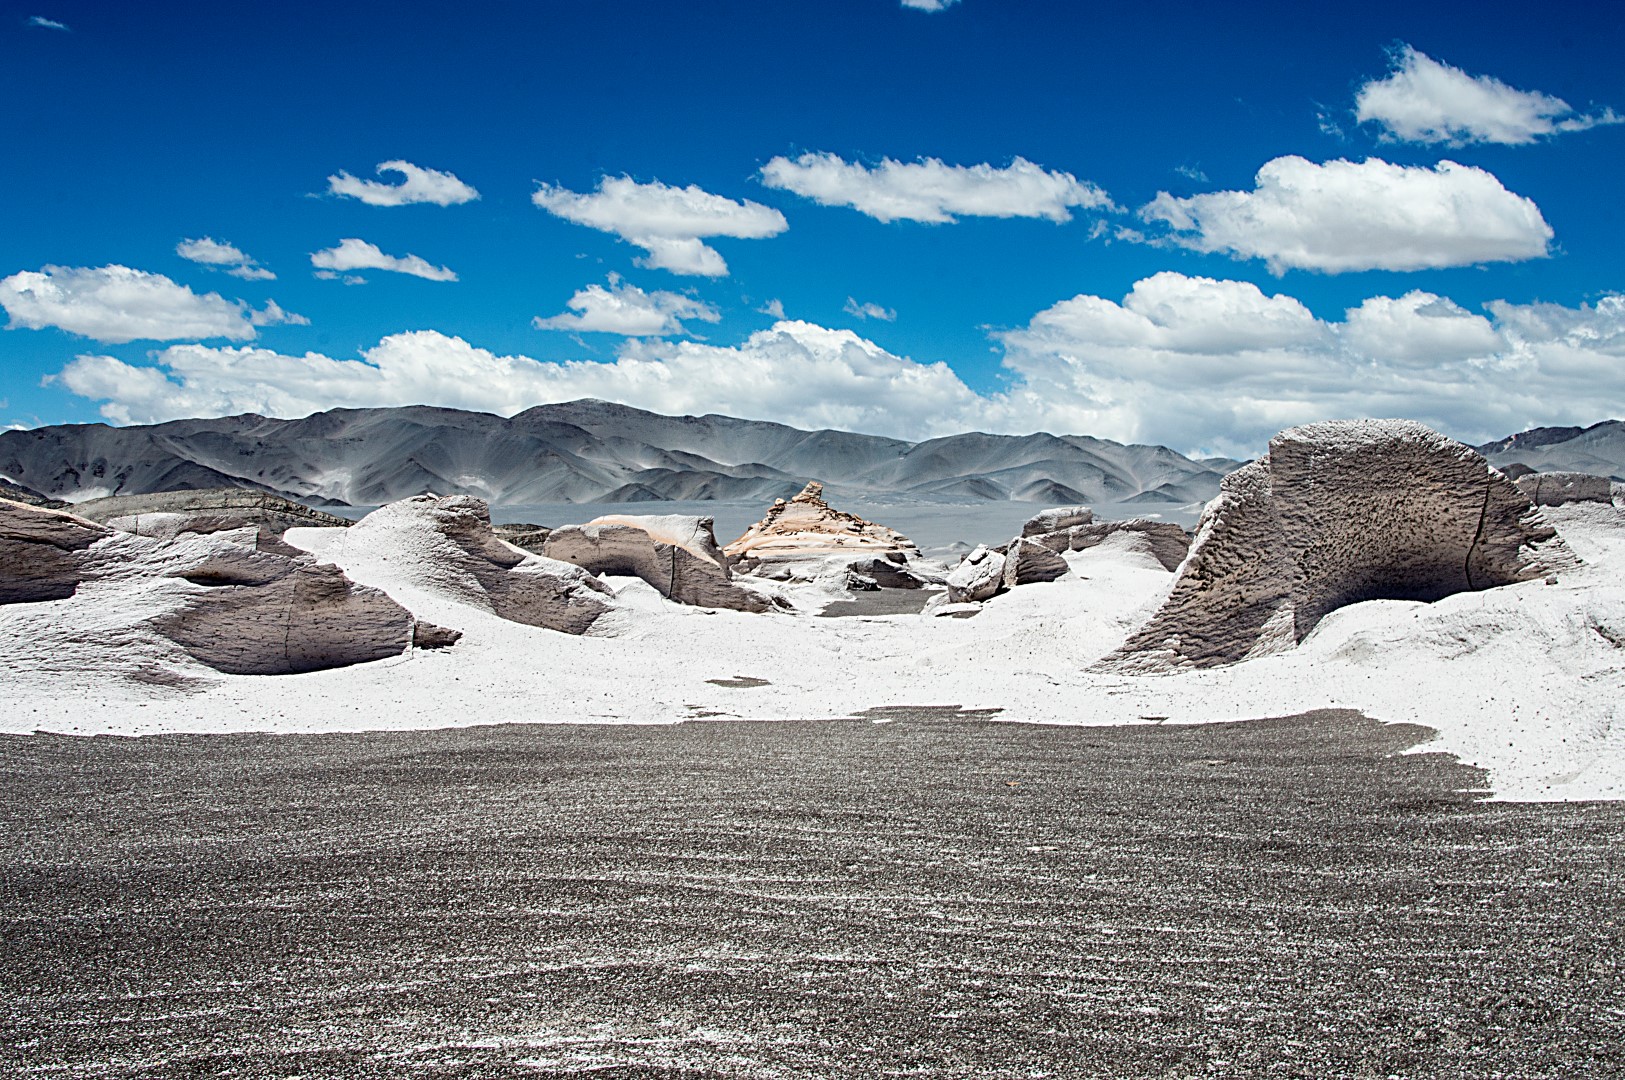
(1524, 681)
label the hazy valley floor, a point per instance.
(929, 897)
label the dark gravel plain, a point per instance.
(937, 896)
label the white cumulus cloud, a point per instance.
(932, 191)
(116, 304)
(1425, 101)
(623, 308)
(417, 186)
(354, 254)
(1368, 215)
(869, 311)
(670, 223)
(217, 253)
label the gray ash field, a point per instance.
(931, 897)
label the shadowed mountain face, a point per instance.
(582, 451)
(1598, 449)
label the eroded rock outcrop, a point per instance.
(221, 597)
(979, 577)
(1335, 514)
(523, 535)
(1057, 519)
(445, 545)
(1164, 540)
(676, 554)
(1559, 488)
(1027, 562)
(805, 537)
(273, 513)
(42, 552)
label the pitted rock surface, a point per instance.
(676, 554)
(1338, 513)
(1559, 488)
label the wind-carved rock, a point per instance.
(445, 545)
(676, 554)
(1057, 519)
(1163, 540)
(42, 552)
(1027, 562)
(979, 577)
(1338, 513)
(805, 536)
(135, 513)
(235, 599)
(1560, 488)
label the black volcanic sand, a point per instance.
(928, 897)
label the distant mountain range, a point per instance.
(595, 451)
(583, 451)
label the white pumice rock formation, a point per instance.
(1057, 519)
(1338, 513)
(234, 600)
(676, 554)
(1163, 539)
(1027, 562)
(805, 538)
(979, 577)
(1559, 488)
(444, 545)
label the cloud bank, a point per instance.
(932, 191)
(354, 254)
(670, 223)
(115, 304)
(416, 186)
(1368, 215)
(1425, 101)
(1176, 356)
(624, 308)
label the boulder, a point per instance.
(273, 512)
(445, 545)
(678, 555)
(1026, 562)
(979, 577)
(530, 537)
(1558, 488)
(42, 552)
(1335, 514)
(1056, 519)
(1165, 540)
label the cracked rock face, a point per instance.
(1335, 514)
(676, 554)
(1560, 488)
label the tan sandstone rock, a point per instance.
(805, 536)
(1338, 513)
(676, 554)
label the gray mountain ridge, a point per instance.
(597, 451)
(582, 451)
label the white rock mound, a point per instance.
(1335, 514)
(233, 600)
(676, 554)
(445, 546)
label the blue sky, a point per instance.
(1166, 223)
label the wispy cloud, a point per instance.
(625, 309)
(929, 5)
(417, 186)
(48, 24)
(354, 254)
(932, 191)
(223, 256)
(869, 311)
(669, 223)
(1346, 215)
(1425, 101)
